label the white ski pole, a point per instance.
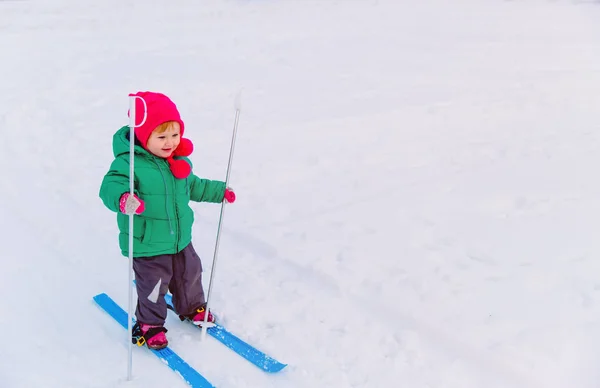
(238, 108)
(132, 126)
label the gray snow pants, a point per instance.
(180, 273)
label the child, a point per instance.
(164, 258)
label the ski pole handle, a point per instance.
(132, 117)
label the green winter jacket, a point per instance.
(165, 226)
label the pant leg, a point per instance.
(152, 277)
(186, 283)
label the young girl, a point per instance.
(164, 258)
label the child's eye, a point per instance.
(175, 135)
(161, 137)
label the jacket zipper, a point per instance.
(178, 228)
(166, 193)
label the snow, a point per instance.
(417, 204)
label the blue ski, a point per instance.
(249, 352)
(168, 356)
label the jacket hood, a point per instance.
(121, 143)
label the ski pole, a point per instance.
(238, 108)
(132, 127)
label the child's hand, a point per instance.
(229, 195)
(129, 204)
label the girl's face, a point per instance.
(163, 144)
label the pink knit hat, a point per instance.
(160, 109)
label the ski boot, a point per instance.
(197, 317)
(152, 336)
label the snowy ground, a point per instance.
(417, 194)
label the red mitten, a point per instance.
(129, 204)
(229, 195)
